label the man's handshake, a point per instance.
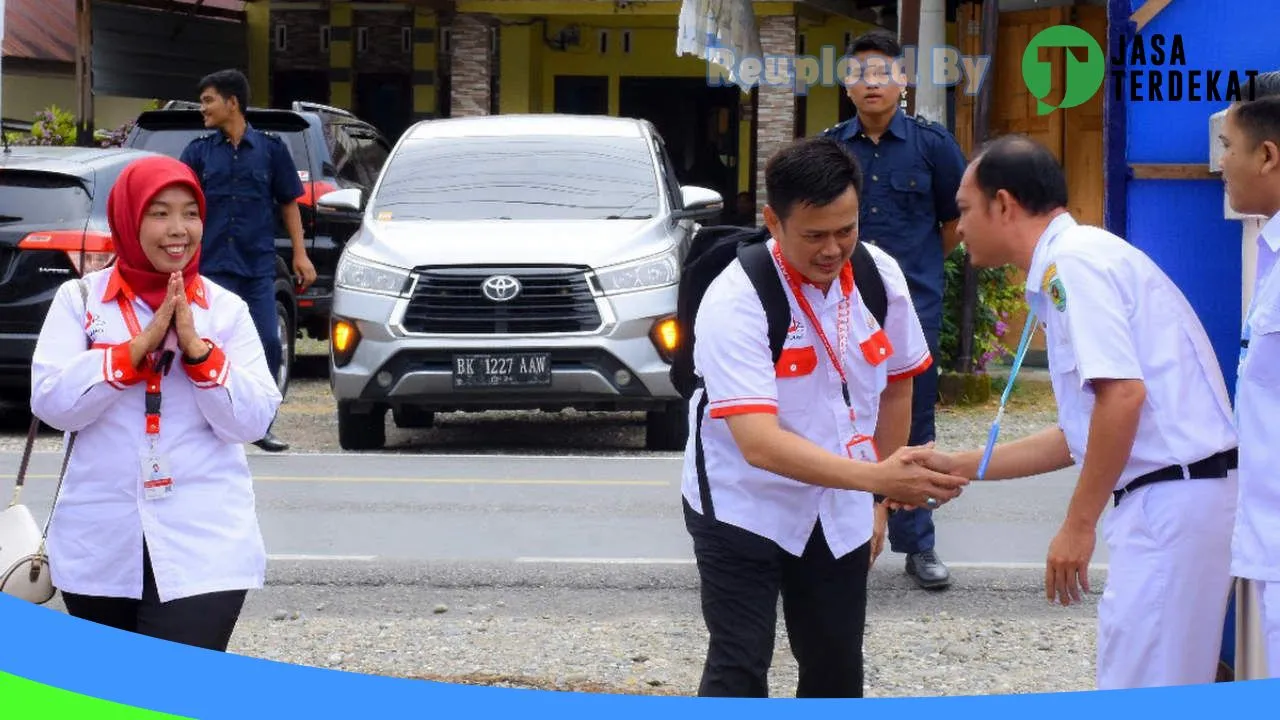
(920, 477)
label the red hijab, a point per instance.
(132, 194)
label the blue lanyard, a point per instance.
(1027, 331)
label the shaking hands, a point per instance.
(920, 476)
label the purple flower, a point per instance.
(1001, 328)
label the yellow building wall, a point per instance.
(258, 26)
(25, 95)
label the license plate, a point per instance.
(502, 370)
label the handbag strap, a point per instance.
(31, 441)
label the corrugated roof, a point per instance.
(46, 29)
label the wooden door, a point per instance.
(1082, 153)
(1073, 135)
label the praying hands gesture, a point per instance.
(193, 346)
(173, 314)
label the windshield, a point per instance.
(523, 178)
(59, 201)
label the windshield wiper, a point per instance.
(9, 218)
(628, 217)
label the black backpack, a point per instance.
(713, 248)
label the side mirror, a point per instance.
(348, 200)
(699, 202)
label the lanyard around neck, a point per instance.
(842, 322)
(1027, 331)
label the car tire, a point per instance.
(361, 430)
(667, 429)
(408, 417)
(288, 344)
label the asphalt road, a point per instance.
(351, 515)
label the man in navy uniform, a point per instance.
(245, 174)
(912, 169)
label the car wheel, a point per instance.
(288, 338)
(361, 430)
(667, 429)
(408, 417)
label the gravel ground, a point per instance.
(991, 633)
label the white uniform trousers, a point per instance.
(1161, 616)
(1270, 593)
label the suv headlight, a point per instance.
(644, 274)
(365, 276)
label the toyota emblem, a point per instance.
(500, 288)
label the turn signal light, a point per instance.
(96, 247)
(343, 338)
(666, 337)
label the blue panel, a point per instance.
(1178, 132)
(1179, 224)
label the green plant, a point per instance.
(999, 298)
(52, 126)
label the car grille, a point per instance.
(551, 300)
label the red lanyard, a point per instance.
(154, 372)
(842, 322)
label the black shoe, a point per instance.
(928, 570)
(271, 443)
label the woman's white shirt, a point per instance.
(202, 537)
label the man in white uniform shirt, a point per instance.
(781, 468)
(1142, 408)
(1251, 169)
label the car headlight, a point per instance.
(642, 275)
(369, 277)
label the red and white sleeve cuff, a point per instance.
(210, 372)
(743, 406)
(913, 369)
(117, 367)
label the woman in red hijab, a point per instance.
(154, 529)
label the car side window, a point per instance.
(669, 175)
(371, 153)
(347, 160)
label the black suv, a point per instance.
(332, 149)
(53, 227)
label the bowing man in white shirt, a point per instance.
(785, 459)
(1251, 170)
(1142, 409)
(155, 529)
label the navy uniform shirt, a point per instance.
(910, 181)
(242, 188)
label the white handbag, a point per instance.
(24, 564)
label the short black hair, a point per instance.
(878, 41)
(811, 171)
(1025, 169)
(1259, 119)
(229, 84)
(1266, 84)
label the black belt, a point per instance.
(1214, 466)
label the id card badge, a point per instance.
(157, 483)
(863, 447)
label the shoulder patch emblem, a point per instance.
(1052, 286)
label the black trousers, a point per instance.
(205, 621)
(824, 603)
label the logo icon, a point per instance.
(500, 288)
(1084, 74)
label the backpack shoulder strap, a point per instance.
(870, 285)
(759, 267)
